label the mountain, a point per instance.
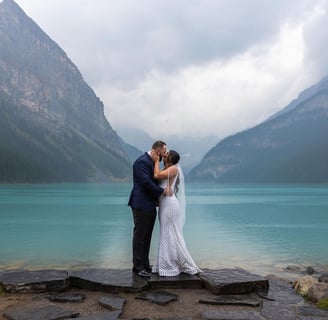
(289, 147)
(132, 152)
(306, 94)
(191, 150)
(52, 125)
(136, 137)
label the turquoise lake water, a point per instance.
(262, 228)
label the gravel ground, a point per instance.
(187, 304)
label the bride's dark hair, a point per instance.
(174, 158)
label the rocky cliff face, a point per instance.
(291, 146)
(47, 107)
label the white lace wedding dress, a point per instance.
(173, 256)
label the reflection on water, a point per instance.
(261, 228)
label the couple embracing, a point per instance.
(164, 188)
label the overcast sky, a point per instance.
(190, 67)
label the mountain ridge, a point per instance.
(42, 90)
(289, 147)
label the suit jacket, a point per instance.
(145, 192)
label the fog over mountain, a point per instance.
(291, 146)
(191, 150)
(198, 67)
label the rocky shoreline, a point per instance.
(118, 294)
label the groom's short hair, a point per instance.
(158, 144)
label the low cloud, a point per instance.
(220, 97)
(190, 67)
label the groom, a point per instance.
(143, 200)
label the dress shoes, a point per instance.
(149, 269)
(144, 274)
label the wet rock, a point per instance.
(280, 302)
(293, 268)
(46, 313)
(278, 311)
(308, 311)
(159, 297)
(35, 281)
(324, 278)
(173, 318)
(234, 300)
(184, 281)
(231, 315)
(102, 316)
(309, 270)
(318, 291)
(68, 297)
(107, 280)
(112, 302)
(233, 281)
(284, 301)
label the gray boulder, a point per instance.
(318, 291)
(324, 278)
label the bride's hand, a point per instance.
(168, 192)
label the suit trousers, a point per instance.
(142, 233)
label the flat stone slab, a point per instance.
(182, 281)
(233, 281)
(35, 281)
(107, 280)
(231, 315)
(102, 316)
(46, 313)
(284, 301)
(234, 300)
(112, 302)
(307, 311)
(159, 297)
(174, 318)
(68, 297)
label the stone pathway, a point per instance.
(271, 299)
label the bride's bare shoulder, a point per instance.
(173, 170)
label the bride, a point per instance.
(173, 256)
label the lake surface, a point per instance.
(262, 228)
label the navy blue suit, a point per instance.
(143, 200)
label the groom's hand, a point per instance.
(154, 155)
